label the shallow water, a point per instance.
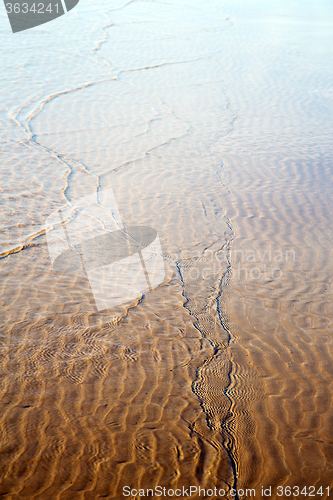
(212, 125)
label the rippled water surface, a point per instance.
(212, 124)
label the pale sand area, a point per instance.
(212, 124)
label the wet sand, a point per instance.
(212, 125)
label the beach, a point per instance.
(211, 124)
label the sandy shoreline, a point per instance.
(212, 125)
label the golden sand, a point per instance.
(204, 125)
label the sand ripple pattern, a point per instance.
(212, 124)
